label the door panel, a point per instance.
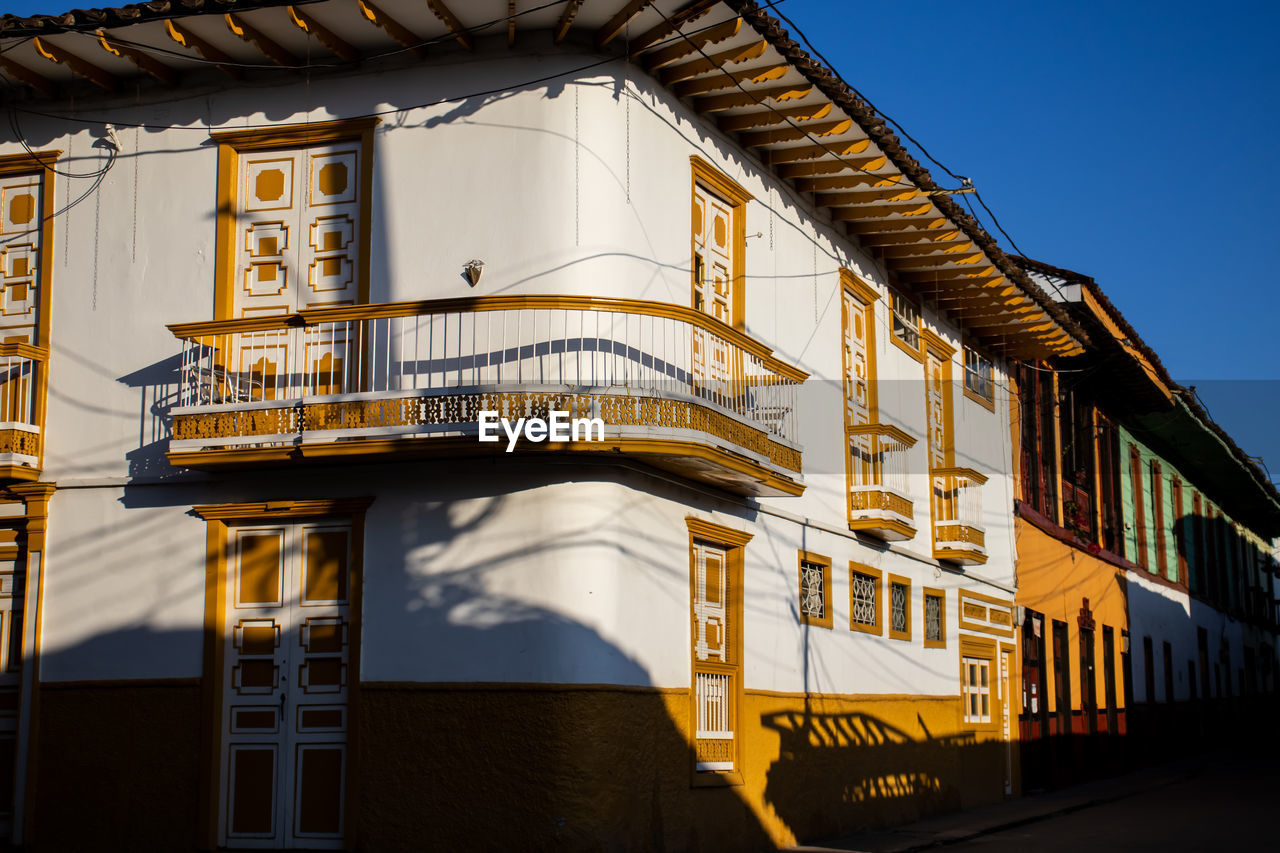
(285, 686)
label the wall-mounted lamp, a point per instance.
(472, 271)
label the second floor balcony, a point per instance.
(879, 481)
(674, 388)
(21, 377)
(958, 534)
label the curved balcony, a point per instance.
(21, 368)
(958, 535)
(672, 386)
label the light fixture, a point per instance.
(472, 271)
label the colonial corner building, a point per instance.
(866, 519)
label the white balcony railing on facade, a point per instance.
(879, 484)
(20, 366)
(957, 510)
(401, 362)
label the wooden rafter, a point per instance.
(734, 100)
(949, 279)
(920, 227)
(98, 76)
(323, 34)
(828, 167)
(511, 23)
(911, 238)
(391, 27)
(893, 183)
(191, 41)
(772, 117)
(953, 247)
(566, 19)
(450, 20)
(728, 79)
(877, 211)
(760, 138)
(841, 199)
(942, 261)
(27, 77)
(692, 43)
(816, 150)
(252, 35)
(143, 62)
(673, 22)
(715, 62)
(619, 22)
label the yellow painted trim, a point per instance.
(959, 555)
(988, 650)
(862, 568)
(502, 686)
(16, 164)
(901, 581)
(224, 233)
(314, 316)
(857, 286)
(971, 473)
(926, 592)
(1057, 454)
(986, 626)
(898, 342)
(717, 533)
(313, 133)
(722, 185)
(989, 405)
(803, 557)
(885, 429)
(261, 510)
(892, 524)
(933, 341)
(851, 697)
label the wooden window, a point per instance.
(1157, 518)
(864, 598)
(1076, 432)
(1037, 440)
(815, 590)
(905, 323)
(1110, 514)
(716, 558)
(1181, 526)
(935, 618)
(1061, 678)
(1109, 676)
(899, 608)
(979, 380)
(1198, 549)
(1139, 508)
(978, 692)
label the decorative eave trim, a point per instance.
(281, 509)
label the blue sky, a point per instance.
(1132, 142)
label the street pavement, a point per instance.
(1219, 801)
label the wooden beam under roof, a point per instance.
(853, 181)
(707, 64)
(921, 227)
(250, 34)
(771, 117)
(618, 22)
(816, 150)
(323, 34)
(729, 79)
(100, 77)
(566, 19)
(27, 77)
(913, 238)
(877, 211)
(143, 62)
(392, 27)
(872, 196)
(756, 97)
(671, 24)
(938, 261)
(191, 41)
(1019, 328)
(918, 250)
(827, 167)
(450, 20)
(691, 43)
(776, 136)
(948, 278)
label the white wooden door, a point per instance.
(284, 689)
(713, 264)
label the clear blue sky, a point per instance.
(1133, 142)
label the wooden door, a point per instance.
(284, 689)
(713, 266)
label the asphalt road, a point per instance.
(1228, 802)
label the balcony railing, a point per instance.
(879, 481)
(401, 370)
(957, 515)
(20, 372)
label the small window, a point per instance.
(935, 619)
(978, 382)
(864, 598)
(815, 590)
(976, 689)
(906, 321)
(899, 608)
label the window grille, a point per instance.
(976, 689)
(898, 607)
(813, 603)
(932, 618)
(863, 598)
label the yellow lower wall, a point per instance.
(529, 767)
